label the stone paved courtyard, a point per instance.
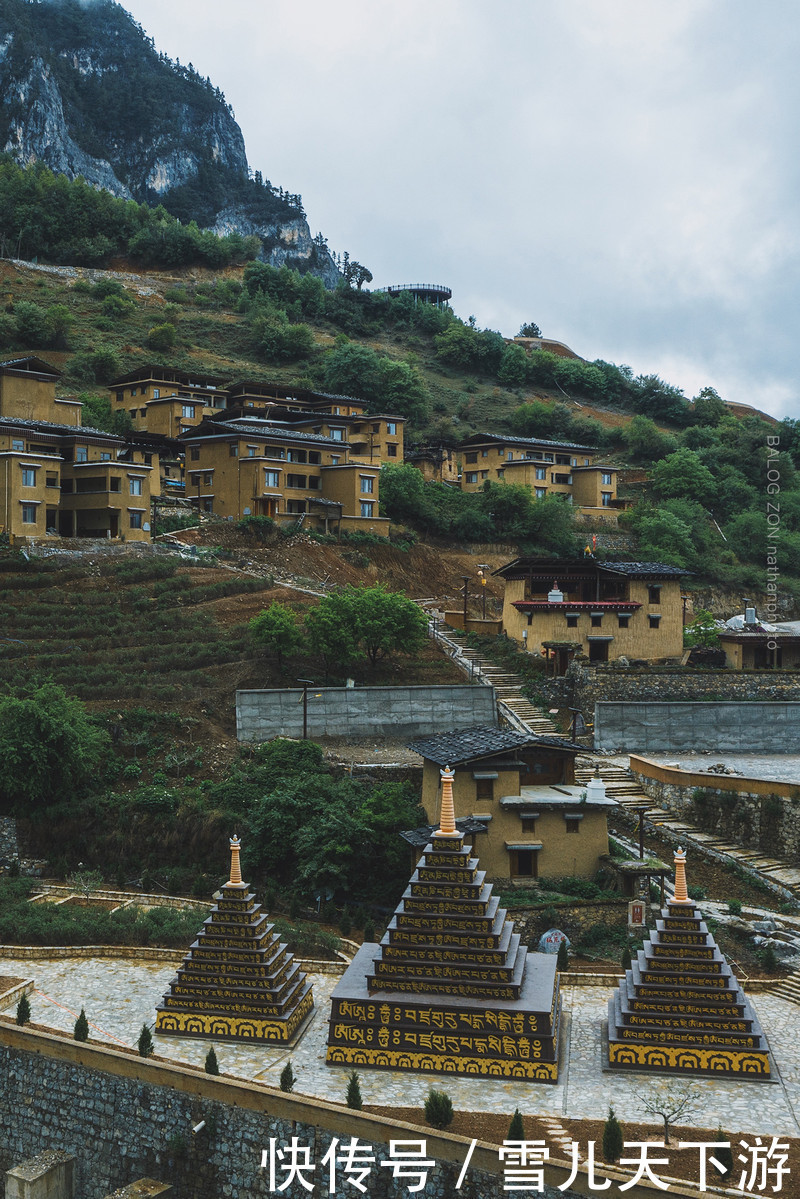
(119, 995)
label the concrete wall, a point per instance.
(395, 712)
(674, 727)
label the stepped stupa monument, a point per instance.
(450, 987)
(238, 981)
(680, 1008)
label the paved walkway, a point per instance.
(119, 996)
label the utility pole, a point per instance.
(306, 684)
(466, 579)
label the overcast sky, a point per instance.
(622, 172)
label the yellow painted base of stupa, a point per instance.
(214, 1026)
(388, 1059)
(675, 1057)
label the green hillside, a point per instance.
(704, 505)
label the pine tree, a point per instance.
(354, 1091)
(81, 1027)
(562, 962)
(212, 1065)
(516, 1132)
(438, 1109)
(612, 1138)
(145, 1042)
(287, 1077)
(724, 1156)
(23, 1010)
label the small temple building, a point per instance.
(450, 987)
(238, 980)
(680, 1008)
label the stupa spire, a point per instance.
(447, 819)
(236, 869)
(681, 894)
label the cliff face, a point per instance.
(85, 92)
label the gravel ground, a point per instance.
(781, 767)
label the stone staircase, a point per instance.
(788, 988)
(508, 688)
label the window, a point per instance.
(655, 621)
(366, 509)
(104, 457)
(540, 492)
(272, 478)
(114, 483)
(391, 429)
(472, 476)
(295, 480)
(195, 454)
(18, 444)
(334, 459)
(484, 788)
(572, 622)
(391, 451)
(29, 514)
(528, 822)
(251, 451)
(572, 826)
(484, 453)
(376, 428)
(233, 450)
(586, 462)
(51, 480)
(28, 476)
(605, 478)
(314, 482)
(337, 434)
(606, 499)
(367, 485)
(484, 474)
(133, 391)
(81, 453)
(135, 486)
(135, 520)
(208, 478)
(156, 393)
(295, 507)
(623, 621)
(142, 412)
(654, 593)
(314, 457)
(562, 459)
(501, 474)
(120, 396)
(541, 473)
(296, 456)
(148, 459)
(509, 456)
(597, 620)
(66, 486)
(471, 457)
(187, 411)
(561, 478)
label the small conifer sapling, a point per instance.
(612, 1138)
(23, 1010)
(145, 1042)
(562, 962)
(438, 1109)
(354, 1091)
(287, 1077)
(212, 1065)
(516, 1132)
(81, 1027)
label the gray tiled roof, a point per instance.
(451, 749)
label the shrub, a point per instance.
(369, 931)
(696, 892)
(562, 962)
(612, 1138)
(81, 1032)
(769, 959)
(516, 1131)
(23, 1010)
(438, 1109)
(354, 1091)
(287, 1077)
(724, 1156)
(735, 907)
(145, 1042)
(161, 337)
(212, 1065)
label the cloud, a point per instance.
(623, 174)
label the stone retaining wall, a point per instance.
(757, 814)
(655, 727)
(395, 712)
(585, 686)
(125, 1117)
(574, 917)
